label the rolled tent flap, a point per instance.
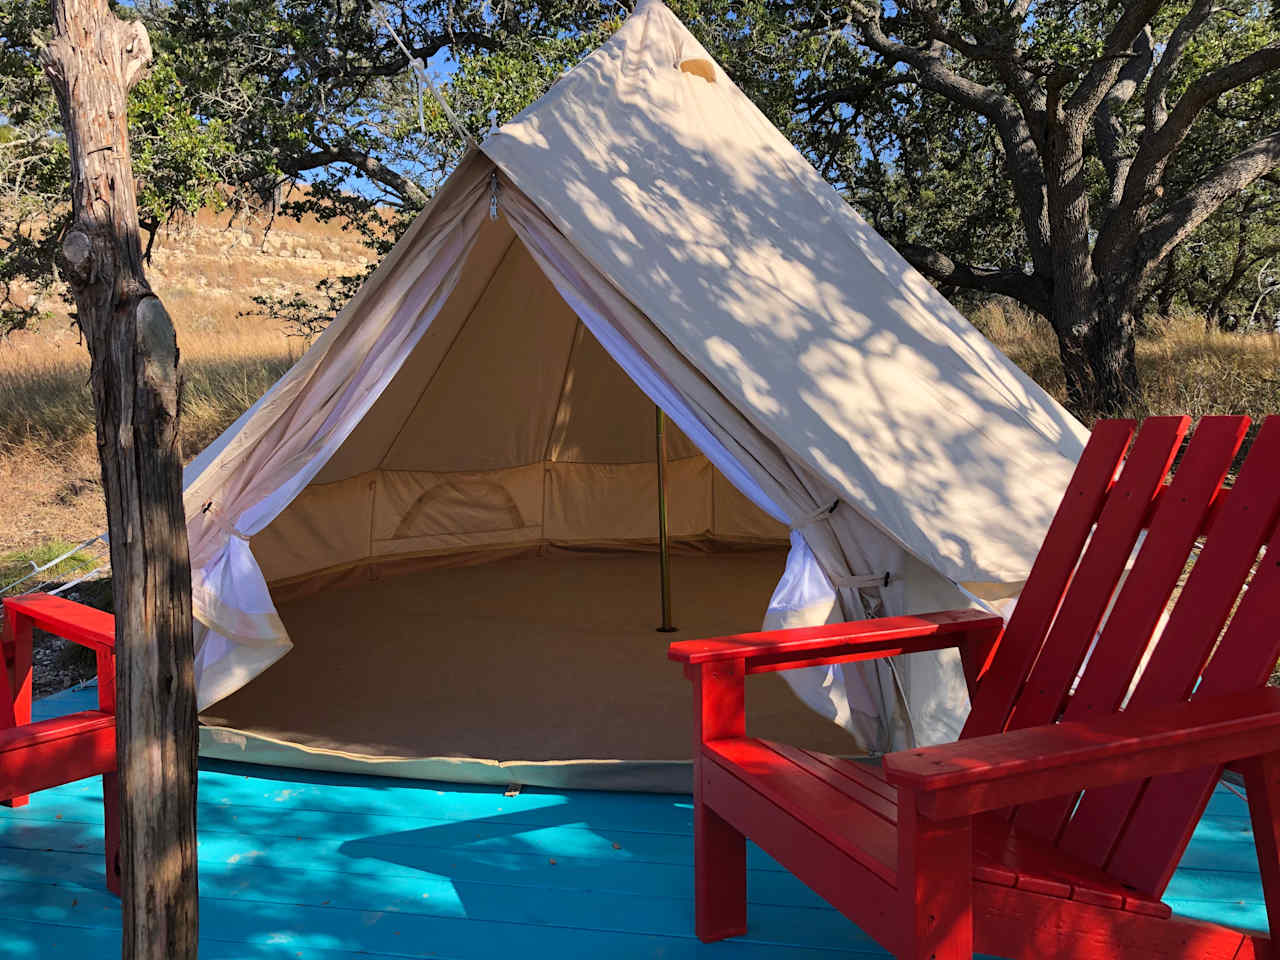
(261, 464)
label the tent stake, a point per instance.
(664, 551)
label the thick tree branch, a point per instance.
(1123, 225)
(393, 62)
(1107, 129)
(1116, 52)
(1155, 108)
(1027, 289)
(1021, 149)
(934, 73)
(1003, 51)
(1200, 202)
(371, 167)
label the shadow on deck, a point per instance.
(301, 864)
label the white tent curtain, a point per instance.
(304, 420)
(835, 553)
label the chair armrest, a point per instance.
(65, 618)
(1036, 763)
(840, 642)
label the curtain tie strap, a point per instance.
(220, 521)
(863, 581)
(822, 513)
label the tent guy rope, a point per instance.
(423, 80)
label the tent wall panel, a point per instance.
(603, 417)
(329, 522)
(491, 402)
(417, 511)
(593, 502)
(737, 518)
(365, 448)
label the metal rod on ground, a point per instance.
(664, 550)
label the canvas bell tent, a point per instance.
(445, 513)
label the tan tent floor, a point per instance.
(551, 658)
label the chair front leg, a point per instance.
(720, 876)
(935, 880)
(15, 667)
(1262, 786)
(719, 851)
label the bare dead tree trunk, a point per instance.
(93, 61)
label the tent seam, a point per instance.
(578, 331)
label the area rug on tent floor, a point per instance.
(541, 669)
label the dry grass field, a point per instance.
(1184, 369)
(207, 272)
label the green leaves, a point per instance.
(182, 162)
(311, 108)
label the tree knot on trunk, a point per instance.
(157, 349)
(88, 255)
(134, 46)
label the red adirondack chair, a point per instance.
(1052, 827)
(36, 756)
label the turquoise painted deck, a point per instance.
(295, 864)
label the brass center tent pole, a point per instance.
(664, 549)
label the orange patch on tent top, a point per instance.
(699, 68)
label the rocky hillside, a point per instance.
(207, 271)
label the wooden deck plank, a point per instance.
(293, 863)
(42, 851)
(386, 929)
(494, 834)
(428, 895)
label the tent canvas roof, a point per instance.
(703, 215)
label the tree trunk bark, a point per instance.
(1111, 348)
(1097, 346)
(1077, 298)
(93, 61)
(1167, 288)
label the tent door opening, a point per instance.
(469, 582)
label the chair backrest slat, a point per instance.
(1138, 831)
(1050, 574)
(1144, 857)
(1100, 570)
(1179, 517)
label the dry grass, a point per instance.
(206, 272)
(1184, 369)
(49, 486)
(44, 383)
